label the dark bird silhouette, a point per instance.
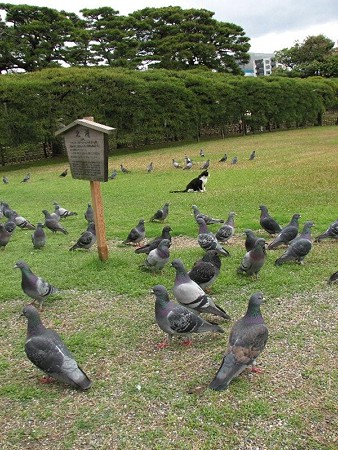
(333, 278)
(155, 242)
(136, 234)
(206, 165)
(252, 155)
(202, 155)
(113, 175)
(150, 167)
(330, 233)
(64, 173)
(5, 236)
(161, 214)
(224, 158)
(89, 214)
(287, 234)
(250, 240)
(299, 247)
(124, 169)
(234, 160)
(206, 270)
(267, 222)
(87, 238)
(26, 178)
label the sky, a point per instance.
(271, 25)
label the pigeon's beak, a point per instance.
(15, 267)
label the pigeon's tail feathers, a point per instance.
(282, 259)
(218, 311)
(222, 251)
(274, 244)
(229, 370)
(144, 249)
(207, 326)
(75, 246)
(322, 236)
(71, 373)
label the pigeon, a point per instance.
(299, 247)
(207, 219)
(53, 224)
(5, 180)
(87, 238)
(191, 295)
(10, 225)
(161, 214)
(5, 236)
(267, 222)
(159, 257)
(6, 209)
(224, 158)
(34, 286)
(123, 169)
(226, 231)
(206, 165)
(56, 213)
(136, 234)
(287, 234)
(113, 175)
(250, 240)
(154, 243)
(202, 155)
(46, 350)
(254, 259)
(333, 278)
(252, 155)
(177, 320)
(64, 212)
(331, 232)
(234, 160)
(150, 167)
(21, 222)
(207, 240)
(89, 214)
(206, 270)
(39, 237)
(64, 173)
(247, 340)
(26, 178)
(176, 164)
(188, 163)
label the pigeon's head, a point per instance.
(248, 232)
(232, 214)
(20, 264)
(256, 299)
(141, 222)
(30, 311)
(263, 208)
(167, 228)
(200, 220)
(159, 290)
(177, 264)
(164, 243)
(296, 216)
(309, 224)
(260, 243)
(44, 211)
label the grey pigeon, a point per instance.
(331, 232)
(177, 320)
(154, 243)
(254, 259)
(26, 178)
(250, 239)
(202, 154)
(207, 219)
(34, 286)
(46, 350)
(299, 247)
(89, 214)
(226, 231)
(124, 169)
(188, 163)
(191, 295)
(206, 270)
(87, 238)
(63, 211)
(56, 214)
(252, 155)
(288, 233)
(5, 180)
(21, 222)
(333, 278)
(150, 167)
(136, 234)
(206, 165)
(267, 222)
(113, 175)
(64, 173)
(234, 160)
(53, 224)
(207, 240)
(161, 214)
(224, 158)
(176, 164)
(39, 237)
(10, 225)
(159, 257)
(6, 209)
(5, 236)
(247, 340)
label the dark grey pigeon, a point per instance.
(254, 259)
(154, 243)
(247, 340)
(176, 164)
(5, 180)
(177, 320)
(191, 295)
(267, 222)
(89, 214)
(87, 238)
(224, 158)
(234, 160)
(226, 231)
(64, 173)
(207, 240)
(46, 350)
(10, 225)
(34, 286)
(250, 239)
(39, 237)
(150, 167)
(63, 211)
(252, 155)
(159, 257)
(206, 270)
(331, 232)
(206, 165)
(6, 209)
(207, 219)
(124, 169)
(53, 224)
(113, 175)
(136, 234)
(161, 214)
(333, 278)
(288, 233)
(299, 247)
(26, 178)
(5, 236)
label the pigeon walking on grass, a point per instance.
(53, 224)
(177, 320)
(155, 242)
(250, 239)
(159, 257)
(89, 214)
(161, 214)
(224, 158)
(136, 234)
(254, 259)
(299, 247)
(206, 165)
(39, 237)
(287, 234)
(113, 175)
(26, 178)
(46, 350)
(63, 212)
(191, 295)
(188, 163)
(252, 155)
(87, 238)
(5, 236)
(21, 222)
(5, 180)
(64, 173)
(202, 154)
(267, 222)
(234, 160)
(226, 231)
(247, 340)
(330, 233)
(206, 270)
(207, 219)
(33, 286)
(207, 240)
(150, 167)
(124, 169)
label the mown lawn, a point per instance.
(147, 398)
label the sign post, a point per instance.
(87, 148)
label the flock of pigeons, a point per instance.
(248, 336)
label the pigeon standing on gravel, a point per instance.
(89, 214)
(155, 242)
(64, 173)
(288, 233)
(299, 247)
(63, 212)
(250, 239)
(206, 270)
(136, 234)
(224, 158)
(53, 224)
(177, 320)
(207, 219)
(159, 257)
(161, 214)
(254, 259)
(191, 295)
(226, 231)
(331, 232)
(247, 340)
(46, 350)
(267, 222)
(87, 238)
(5, 236)
(207, 240)
(39, 237)
(33, 286)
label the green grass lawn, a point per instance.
(147, 398)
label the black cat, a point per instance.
(197, 184)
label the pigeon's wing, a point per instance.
(158, 215)
(246, 263)
(43, 288)
(45, 353)
(202, 272)
(207, 241)
(249, 343)
(182, 320)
